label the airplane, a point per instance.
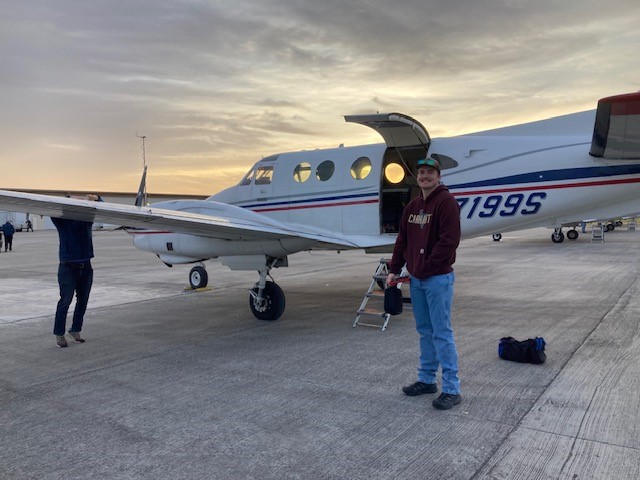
(545, 173)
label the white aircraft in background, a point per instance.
(547, 173)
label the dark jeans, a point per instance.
(8, 242)
(73, 278)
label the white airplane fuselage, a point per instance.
(502, 183)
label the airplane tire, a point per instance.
(557, 237)
(572, 234)
(273, 305)
(497, 237)
(610, 227)
(198, 277)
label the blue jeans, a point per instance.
(73, 278)
(431, 300)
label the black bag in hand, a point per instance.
(393, 300)
(525, 351)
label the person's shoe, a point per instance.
(420, 388)
(76, 337)
(446, 400)
(61, 341)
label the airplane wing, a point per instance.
(204, 218)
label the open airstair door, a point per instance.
(398, 130)
(407, 142)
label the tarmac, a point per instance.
(178, 384)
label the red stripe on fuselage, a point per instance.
(547, 187)
(320, 205)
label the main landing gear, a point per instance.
(558, 237)
(198, 277)
(266, 298)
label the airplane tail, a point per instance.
(616, 133)
(141, 197)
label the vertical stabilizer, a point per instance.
(141, 197)
(616, 133)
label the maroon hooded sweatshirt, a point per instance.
(429, 235)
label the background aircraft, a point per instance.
(546, 173)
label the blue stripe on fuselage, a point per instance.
(553, 175)
(311, 200)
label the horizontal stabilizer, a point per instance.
(616, 133)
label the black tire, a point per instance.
(497, 237)
(610, 227)
(572, 234)
(557, 237)
(198, 277)
(273, 304)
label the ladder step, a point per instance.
(371, 311)
(376, 293)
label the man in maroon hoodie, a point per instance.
(427, 241)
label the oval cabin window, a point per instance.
(394, 173)
(361, 168)
(325, 170)
(302, 172)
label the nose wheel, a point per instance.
(266, 298)
(268, 304)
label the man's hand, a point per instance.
(391, 278)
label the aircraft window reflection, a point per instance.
(263, 175)
(302, 172)
(246, 180)
(361, 168)
(325, 170)
(394, 173)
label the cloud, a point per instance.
(210, 82)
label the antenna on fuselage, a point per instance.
(141, 197)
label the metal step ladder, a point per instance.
(597, 233)
(376, 291)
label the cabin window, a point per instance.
(361, 168)
(246, 180)
(325, 170)
(263, 175)
(302, 172)
(394, 173)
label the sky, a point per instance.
(215, 85)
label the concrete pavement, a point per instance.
(175, 384)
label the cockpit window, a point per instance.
(246, 180)
(325, 170)
(302, 172)
(361, 168)
(263, 175)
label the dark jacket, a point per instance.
(8, 230)
(429, 235)
(76, 244)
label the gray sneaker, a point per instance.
(61, 341)
(75, 336)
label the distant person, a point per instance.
(75, 275)
(29, 226)
(8, 231)
(428, 238)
